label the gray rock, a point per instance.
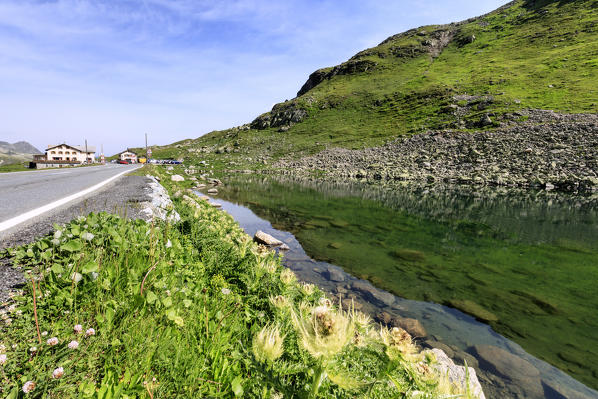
(266, 239)
(334, 274)
(457, 374)
(177, 178)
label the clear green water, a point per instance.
(525, 263)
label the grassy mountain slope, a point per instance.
(21, 151)
(527, 54)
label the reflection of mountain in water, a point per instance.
(534, 216)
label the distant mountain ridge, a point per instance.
(21, 151)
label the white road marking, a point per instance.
(48, 207)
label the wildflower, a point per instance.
(28, 386)
(55, 241)
(362, 321)
(52, 341)
(14, 346)
(57, 373)
(398, 342)
(44, 333)
(78, 328)
(2, 348)
(90, 332)
(307, 289)
(279, 301)
(57, 234)
(33, 349)
(168, 244)
(287, 276)
(325, 302)
(2, 359)
(225, 291)
(324, 332)
(267, 344)
(76, 277)
(73, 345)
(81, 218)
(87, 236)
(8, 321)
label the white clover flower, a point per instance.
(225, 291)
(57, 373)
(2, 359)
(69, 235)
(87, 236)
(2, 348)
(73, 345)
(19, 312)
(55, 241)
(89, 332)
(14, 346)
(168, 244)
(52, 341)
(57, 234)
(78, 328)
(28, 386)
(44, 333)
(8, 321)
(77, 277)
(33, 349)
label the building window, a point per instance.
(60, 152)
(53, 152)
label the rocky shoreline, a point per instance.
(548, 150)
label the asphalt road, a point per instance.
(21, 192)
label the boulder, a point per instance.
(170, 168)
(213, 191)
(511, 367)
(412, 326)
(216, 205)
(266, 239)
(457, 374)
(177, 178)
(336, 275)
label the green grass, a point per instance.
(14, 167)
(536, 290)
(181, 311)
(517, 54)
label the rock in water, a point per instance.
(177, 178)
(213, 191)
(457, 375)
(511, 367)
(266, 239)
(412, 326)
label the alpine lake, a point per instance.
(503, 279)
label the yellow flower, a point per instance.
(288, 277)
(325, 332)
(268, 344)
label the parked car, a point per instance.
(122, 161)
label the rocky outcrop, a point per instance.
(282, 116)
(160, 206)
(550, 151)
(350, 67)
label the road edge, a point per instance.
(10, 223)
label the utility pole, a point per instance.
(86, 153)
(148, 152)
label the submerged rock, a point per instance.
(412, 326)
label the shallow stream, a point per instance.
(505, 280)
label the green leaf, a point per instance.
(75, 230)
(171, 314)
(90, 267)
(167, 302)
(106, 284)
(179, 321)
(57, 268)
(187, 302)
(151, 297)
(71, 246)
(236, 386)
(115, 342)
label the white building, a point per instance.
(128, 156)
(76, 153)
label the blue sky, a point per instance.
(110, 71)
